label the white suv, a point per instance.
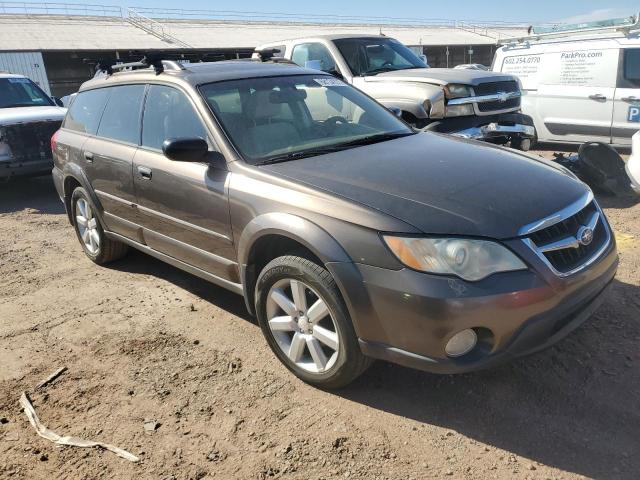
(580, 83)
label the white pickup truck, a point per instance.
(468, 103)
(28, 119)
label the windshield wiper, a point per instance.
(16, 105)
(368, 140)
(286, 157)
(379, 137)
(388, 69)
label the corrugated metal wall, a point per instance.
(29, 64)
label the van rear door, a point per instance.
(626, 110)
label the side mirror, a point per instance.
(335, 73)
(396, 111)
(185, 149)
(57, 101)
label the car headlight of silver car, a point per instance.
(454, 90)
(468, 259)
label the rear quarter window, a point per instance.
(85, 111)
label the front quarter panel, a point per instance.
(422, 100)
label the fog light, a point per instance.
(461, 343)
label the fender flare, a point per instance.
(303, 231)
(71, 170)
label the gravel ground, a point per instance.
(144, 342)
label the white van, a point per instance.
(580, 83)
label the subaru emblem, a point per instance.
(585, 235)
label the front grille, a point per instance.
(30, 142)
(498, 105)
(568, 259)
(492, 88)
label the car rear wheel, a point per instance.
(306, 323)
(95, 243)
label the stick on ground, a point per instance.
(51, 377)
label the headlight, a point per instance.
(459, 110)
(5, 151)
(468, 259)
(453, 90)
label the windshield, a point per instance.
(284, 118)
(369, 56)
(21, 92)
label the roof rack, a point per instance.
(269, 55)
(625, 26)
(159, 65)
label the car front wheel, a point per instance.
(306, 323)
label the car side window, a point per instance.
(168, 113)
(306, 54)
(85, 111)
(632, 66)
(121, 118)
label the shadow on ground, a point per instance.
(35, 193)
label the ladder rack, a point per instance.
(626, 26)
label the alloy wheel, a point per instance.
(302, 325)
(87, 226)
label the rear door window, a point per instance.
(121, 118)
(86, 110)
(168, 113)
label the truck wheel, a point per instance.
(523, 144)
(95, 243)
(306, 323)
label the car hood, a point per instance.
(441, 76)
(442, 185)
(11, 116)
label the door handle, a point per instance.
(88, 157)
(631, 99)
(145, 172)
(598, 97)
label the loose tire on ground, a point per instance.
(281, 277)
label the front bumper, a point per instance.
(499, 127)
(495, 130)
(25, 168)
(407, 317)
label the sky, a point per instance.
(525, 11)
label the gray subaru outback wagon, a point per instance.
(350, 235)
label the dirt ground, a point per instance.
(143, 341)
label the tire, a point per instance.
(523, 144)
(312, 329)
(98, 248)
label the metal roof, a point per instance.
(80, 32)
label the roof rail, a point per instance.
(156, 61)
(625, 26)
